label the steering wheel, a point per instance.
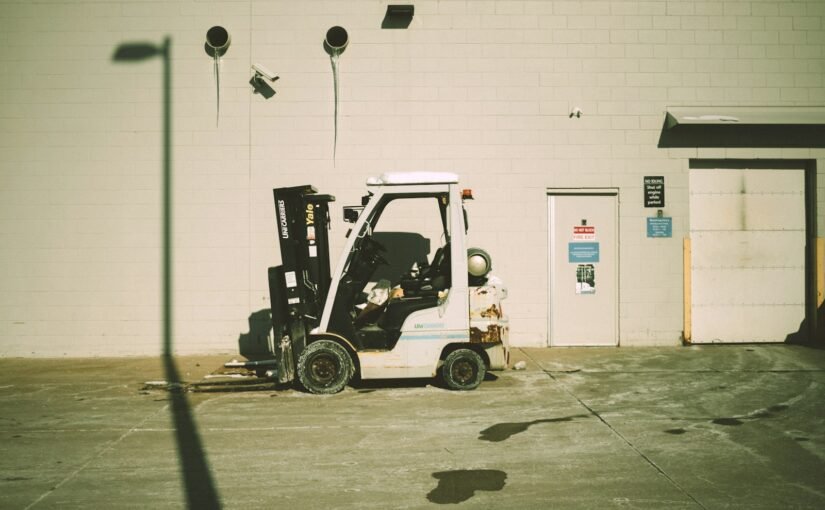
(372, 249)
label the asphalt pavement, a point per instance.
(676, 427)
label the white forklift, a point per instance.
(425, 316)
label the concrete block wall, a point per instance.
(480, 88)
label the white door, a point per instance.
(583, 268)
(747, 231)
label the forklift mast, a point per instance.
(298, 287)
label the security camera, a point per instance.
(263, 72)
(261, 79)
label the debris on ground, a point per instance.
(219, 380)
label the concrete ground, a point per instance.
(693, 427)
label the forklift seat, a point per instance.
(431, 279)
(439, 270)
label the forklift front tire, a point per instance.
(463, 369)
(324, 367)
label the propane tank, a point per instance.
(479, 265)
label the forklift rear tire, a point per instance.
(324, 367)
(463, 369)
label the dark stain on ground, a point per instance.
(15, 479)
(777, 408)
(676, 432)
(461, 485)
(365, 391)
(731, 422)
(801, 439)
(502, 431)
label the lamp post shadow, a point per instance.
(199, 486)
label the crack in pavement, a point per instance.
(108, 446)
(620, 436)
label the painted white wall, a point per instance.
(480, 88)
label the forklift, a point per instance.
(439, 316)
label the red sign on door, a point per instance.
(584, 233)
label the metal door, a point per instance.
(747, 231)
(583, 267)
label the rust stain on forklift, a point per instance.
(491, 336)
(493, 311)
(487, 324)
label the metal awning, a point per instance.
(746, 115)
(744, 126)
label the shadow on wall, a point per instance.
(742, 136)
(811, 335)
(255, 344)
(403, 248)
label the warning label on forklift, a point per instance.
(291, 280)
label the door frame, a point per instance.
(551, 242)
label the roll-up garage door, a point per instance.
(747, 230)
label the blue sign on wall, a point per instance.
(580, 253)
(660, 227)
